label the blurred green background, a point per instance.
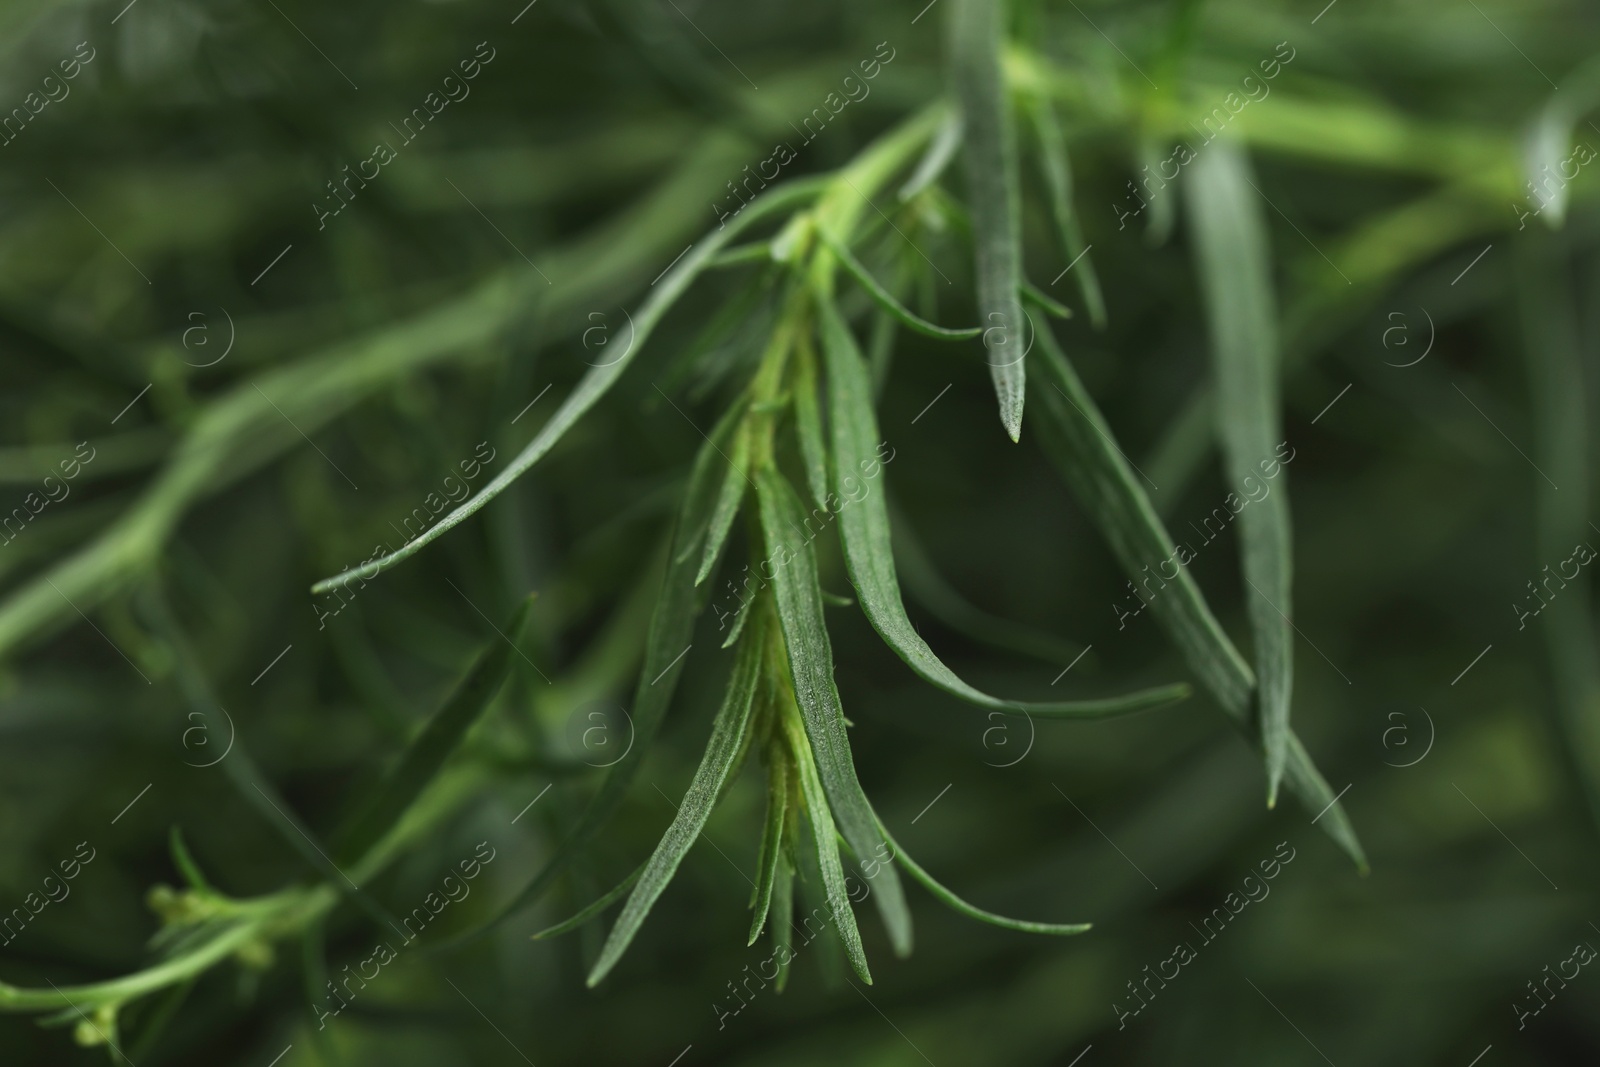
(267, 393)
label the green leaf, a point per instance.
(880, 351)
(940, 151)
(156, 1021)
(971, 911)
(1230, 241)
(739, 620)
(436, 741)
(755, 251)
(185, 862)
(771, 839)
(868, 553)
(1557, 349)
(799, 602)
(824, 842)
(599, 379)
(885, 299)
(1549, 143)
(991, 156)
(1152, 151)
(726, 509)
(727, 740)
(1057, 169)
(610, 897)
(671, 625)
(1044, 301)
(808, 421)
(782, 915)
(1078, 441)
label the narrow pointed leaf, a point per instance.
(755, 251)
(1057, 169)
(1152, 151)
(1078, 441)
(735, 479)
(808, 421)
(739, 621)
(727, 739)
(886, 300)
(185, 863)
(868, 553)
(782, 914)
(991, 155)
(1044, 301)
(1558, 349)
(972, 911)
(799, 601)
(1231, 260)
(610, 897)
(940, 151)
(771, 843)
(1549, 148)
(826, 849)
(599, 379)
(436, 741)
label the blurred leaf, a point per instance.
(185, 862)
(436, 741)
(1077, 440)
(726, 509)
(930, 589)
(1549, 145)
(1230, 241)
(941, 150)
(991, 154)
(589, 911)
(1057, 169)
